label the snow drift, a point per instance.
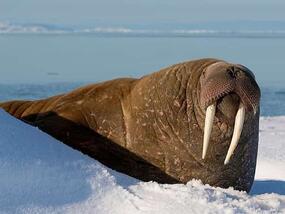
(41, 175)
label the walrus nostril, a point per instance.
(232, 72)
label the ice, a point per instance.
(43, 29)
(38, 174)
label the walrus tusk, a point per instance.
(209, 120)
(239, 121)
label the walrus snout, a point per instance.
(221, 79)
(218, 82)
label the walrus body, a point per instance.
(152, 128)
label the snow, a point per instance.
(41, 175)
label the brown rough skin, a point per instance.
(152, 128)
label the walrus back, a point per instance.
(28, 108)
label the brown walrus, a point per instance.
(197, 119)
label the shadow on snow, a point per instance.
(268, 186)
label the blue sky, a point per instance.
(147, 12)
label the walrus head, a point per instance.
(229, 92)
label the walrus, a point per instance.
(194, 120)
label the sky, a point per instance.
(144, 12)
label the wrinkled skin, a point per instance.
(152, 128)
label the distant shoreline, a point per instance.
(192, 30)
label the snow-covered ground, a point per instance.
(41, 175)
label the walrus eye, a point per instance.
(209, 120)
